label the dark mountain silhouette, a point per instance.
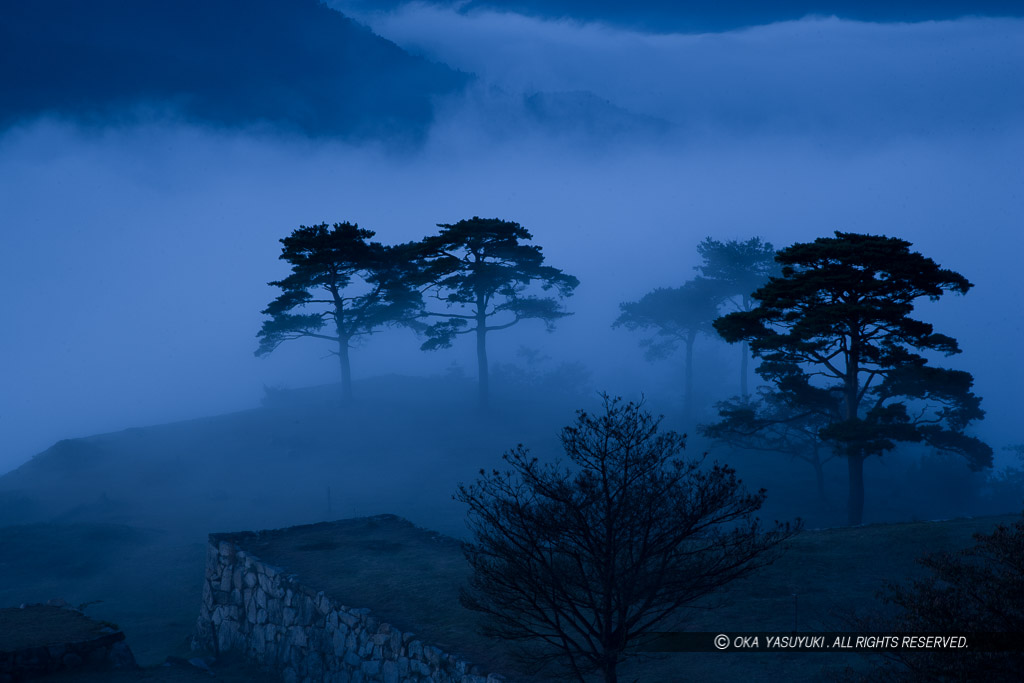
(698, 17)
(291, 64)
(584, 114)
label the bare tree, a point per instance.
(582, 561)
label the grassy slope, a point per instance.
(402, 448)
(150, 587)
(43, 625)
(123, 517)
(410, 578)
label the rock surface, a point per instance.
(257, 609)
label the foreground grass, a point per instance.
(410, 578)
(150, 586)
(122, 518)
(226, 670)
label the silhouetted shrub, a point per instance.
(976, 590)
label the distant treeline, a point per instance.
(843, 364)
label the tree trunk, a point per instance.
(744, 371)
(688, 388)
(855, 462)
(609, 670)
(346, 370)
(854, 452)
(745, 355)
(819, 478)
(481, 363)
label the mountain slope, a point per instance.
(299, 458)
(293, 64)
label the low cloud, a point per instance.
(815, 76)
(136, 258)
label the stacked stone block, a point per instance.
(256, 609)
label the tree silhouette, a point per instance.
(675, 316)
(769, 423)
(481, 268)
(739, 268)
(579, 563)
(977, 590)
(359, 285)
(835, 331)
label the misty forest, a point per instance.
(486, 341)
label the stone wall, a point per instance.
(258, 610)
